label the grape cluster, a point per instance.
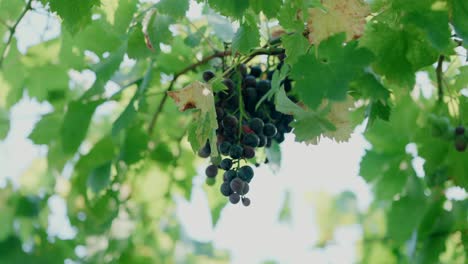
(243, 127)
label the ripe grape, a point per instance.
(211, 171)
(245, 201)
(234, 198)
(249, 152)
(246, 173)
(208, 75)
(230, 121)
(269, 130)
(245, 189)
(226, 164)
(242, 68)
(226, 189)
(205, 151)
(251, 140)
(229, 175)
(235, 151)
(250, 81)
(264, 86)
(256, 124)
(460, 130)
(256, 71)
(460, 144)
(225, 147)
(229, 84)
(237, 185)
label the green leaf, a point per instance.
(296, 45)
(434, 24)
(246, 38)
(408, 210)
(137, 48)
(99, 178)
(46, 130)
(328, 73)
(234, 8)
(460, 18)
(75, 124)
(269, 7)
(310, 126)
(4, 123)
(124, 15)
(101, 153)
(288, 17)
(158, 30)
(135, 145)
(104, 71)
(76, 14)
(47, 79)
(174, 8)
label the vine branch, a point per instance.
(217, 54)
(13, 31)
(440, 76)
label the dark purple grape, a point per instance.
(242, 68)
(264, 86)
(263, 141)
(226, 164)
(211, 171)
(226, 189)
(246, 173)
(256, 71)
(250, 81)
(245, 201)
(460, 144)
(205, 151)
(251, 140)
(229, 175)
(229, 84)
(245, 189)
(219, 113)
(269, 130)
(249, 152)
(250, 95)
(224, 148)
(237, 185)
(208, 75)
(279, 137)
(235, 152)
(230, 121)
(256, 124)
(234, 198)
(459, 130)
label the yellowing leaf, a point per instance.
(341, 16)
(200, 96)
(339, 116)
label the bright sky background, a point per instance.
(252, 234)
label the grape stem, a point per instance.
(439, 73)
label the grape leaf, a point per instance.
(339, 115)
(330, 70)
(4, 123)
(158, 30)
(102, 152)
(296, 45)
(174, 8)
(199, 95)
(246, 38)
(340, 16)
(460, 18)
(46, 130)
(99, 177)
(269, 7)
(75, 124)
(434, 24)
(75, 14)
(134, 145)
(234, 8)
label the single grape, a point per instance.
(460, 144)
(279, 137)
(263, 141)
(264, 86)
(210, 181)
(246, 173)
(208, 75)
(235, 151)
(269, 130)
(256, 124)
(226, 164)
(256, 71)
(234, 198)
(245, 189)
(245, 201)
(224, 148)
(287, 85)
(219, 113)
(205, 151)
(211, 171)
(251, 140)
(250, 95)
(242, 68)
(249, 152)
(459, 130)
(229, 175)
(226, 189)
(250, 81)
(237, 185)
(230, 121)
(229, 84)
